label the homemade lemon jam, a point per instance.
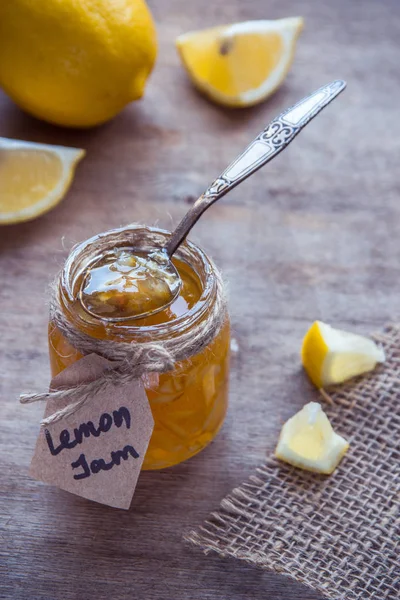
(189, 403)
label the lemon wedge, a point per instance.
(33, 178)
(308, 441)
(240, 64)
(332, 356)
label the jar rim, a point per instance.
(83, 253)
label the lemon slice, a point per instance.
(308, 441)
(33, 178)
(332, 356)
(240, 64)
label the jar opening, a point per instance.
(144, 239)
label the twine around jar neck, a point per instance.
(134, 359)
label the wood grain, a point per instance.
(314, 235)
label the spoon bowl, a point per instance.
(122, 285)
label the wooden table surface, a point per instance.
(314, 235)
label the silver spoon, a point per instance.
(272, 140)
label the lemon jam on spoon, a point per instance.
(123, 284)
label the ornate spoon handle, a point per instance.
(272, 140)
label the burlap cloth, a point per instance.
(340, 534)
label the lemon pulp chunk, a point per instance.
(332, 355)
(308, 441)
(240, 64)
(33, 177)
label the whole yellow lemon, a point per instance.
(75, 62)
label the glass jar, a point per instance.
(189, 403)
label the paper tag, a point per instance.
(98, 451)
